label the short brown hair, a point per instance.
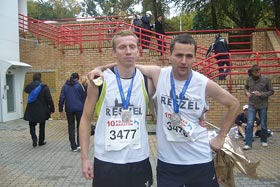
(255, 68)
(123, 33)
(183, 39)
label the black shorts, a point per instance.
(137, 174)
(197, 175)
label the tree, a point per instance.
(53, 9)
(244, 14)
(89, 8)
(108, 7)
(173, 24)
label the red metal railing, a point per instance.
(98, 33)
(239, 63)
(90, 32)
(239, 40)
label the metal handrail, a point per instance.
(87, 32)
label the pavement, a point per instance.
(55, 165)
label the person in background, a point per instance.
(241, 122)
(220, 46)
(146, 24)
(39, 110)
(160, 30)
(258, 88)
(121, 148)
(134, 22)
(71, 99)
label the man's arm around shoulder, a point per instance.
(151, 72)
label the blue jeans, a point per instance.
(250, 124)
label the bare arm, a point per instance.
(151, 72)
(220, 95)
(85, 129)
(97, 72)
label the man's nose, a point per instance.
(128, 50)
(184, 60)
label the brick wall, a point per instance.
(56, 68)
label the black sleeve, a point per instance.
(258, 121)
(146, 83)
(49, 99)
(238, 120)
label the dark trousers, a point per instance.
(32, 127)
(71, 128)
(196, 175)
(223, 73)
(159, 41)
(135, 174)
(146, 39)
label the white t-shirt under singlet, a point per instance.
(115, 141)
(173, 145)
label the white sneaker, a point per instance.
(246, 147)
(264, 144)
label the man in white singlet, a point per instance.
(121, 149)
(184, 151)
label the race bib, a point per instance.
(178, 132)
(120, 135)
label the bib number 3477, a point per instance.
(122, 134)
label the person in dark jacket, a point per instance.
(159, 29)
(146, 24)
(72, 96)
(220, 46)
(241, 122)
(134, 22)
(38, 111)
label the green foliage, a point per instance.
(173, 24)
(232, 13)
(108, 7)
(53, 9)
(206, 14)
(89, 8)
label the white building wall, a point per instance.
(10, 60)
(9, 37)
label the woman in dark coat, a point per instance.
(39, 110)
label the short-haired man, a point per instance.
(184, 151)
(257, 88)
(121, 149)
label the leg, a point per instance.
(148, 38)
(263, 118)
(241, 130)
(227, 69)
(42, 133)
(32, 129)
(71, 129)
(159, 43)
(255, 130)
(144, 40)
(221, 70)
(250, 124)
(78, 119)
